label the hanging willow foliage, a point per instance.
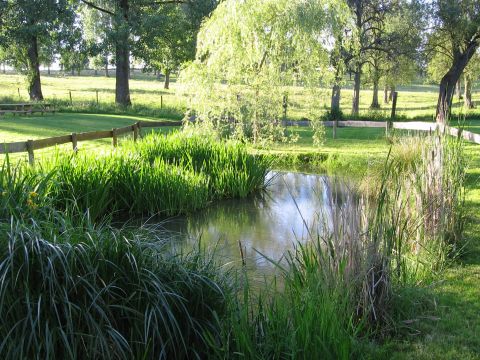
(249, 55)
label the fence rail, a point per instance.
(31, 145)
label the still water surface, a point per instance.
(294, 208)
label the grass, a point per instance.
(414, 101)
(159, 175)
(443, 318)
(103, 293)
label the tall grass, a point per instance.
(99, 293)
(345, 283)
(159, 175)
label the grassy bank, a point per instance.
(159, 175)
(378, 275)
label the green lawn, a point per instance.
(147, 94)
(22, 128)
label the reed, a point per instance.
(159, 175)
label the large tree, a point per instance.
(128, 18)
(456, 28)
(26, 26)
(169, 38)
(247, 52)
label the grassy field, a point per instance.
(147, 93)
(447, 329)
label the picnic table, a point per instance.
(26, 108)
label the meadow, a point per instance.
(399, 283)
(149, 98)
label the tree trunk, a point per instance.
(79, 72)
(166, 85)
(458, 89)
(385, 94)
(159, 75)
(48, 69)
(392, 90)
(335, 102)
(375, 104)
(449, 80)
(34, 84)
(95, 72)
(468, 103)
(4, 70)
(356, 91)
(72, 71)
(335, 107)
(122, 56)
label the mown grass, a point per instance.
(414, 101)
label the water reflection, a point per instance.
(294, 207)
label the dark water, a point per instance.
(294, 208)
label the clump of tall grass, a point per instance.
(100, 293)
(343, 284)
(233, 172)
(160, 175)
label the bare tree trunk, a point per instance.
(34, 84)
(458, 89)
(335, 106)
(166, 85)
(48, 69)
(449, 81)
(375, 104)
(385, 94)
(392, 90)
(4, 70)
(468, 103)
(122, 56)
(356, 90)
(335, 101)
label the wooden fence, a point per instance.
(31, 145)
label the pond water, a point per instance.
(294, 208)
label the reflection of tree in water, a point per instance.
(271, 222)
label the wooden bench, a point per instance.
(26, 108)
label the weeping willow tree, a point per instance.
(249, 55)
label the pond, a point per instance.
(294, 208)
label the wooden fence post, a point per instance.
(97, 96)
(161, 101)
(31, 157)
(139, 127)
(389, 123)
(114, 137)
(74, 142)
(71, 101)
(18, 89)
(135, 131)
